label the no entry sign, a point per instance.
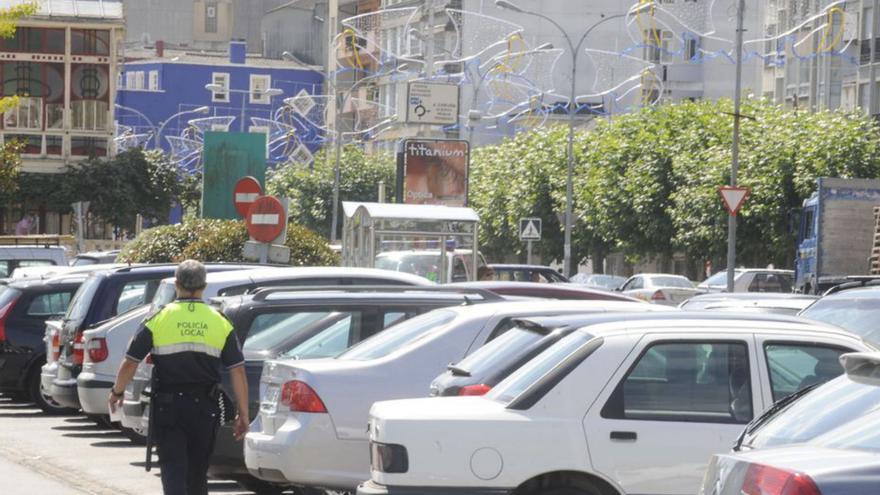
(265, 219)
(246, 191)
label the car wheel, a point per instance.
(136, 437)
(41, 398)
(259, 487)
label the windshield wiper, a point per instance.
(456, 371)
(769, 413)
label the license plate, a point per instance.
(269, 404)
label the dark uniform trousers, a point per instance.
(185, 426)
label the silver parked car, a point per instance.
(827, 443)
(659, 288)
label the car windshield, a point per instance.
(859, 315)
(79, 306)
(270, 330)
(501, 350)
(719, 278)
(397, 336)
(542, 364)
(605, 281)
(837, 402)
(863, 434)
(328, 343)
(164, 294)
(679, 282)
(84, 261)
(423, 264)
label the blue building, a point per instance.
(161, 93)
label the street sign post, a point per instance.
(266, 221)
(246, 191)
(529, 231)
(733, 197)
(432, 103)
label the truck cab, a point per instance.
(807, 241)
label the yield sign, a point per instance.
(733, 197)
(266, 219)
(246, 191)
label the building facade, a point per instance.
(61, 63)
(159, 93)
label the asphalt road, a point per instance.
(70, 455)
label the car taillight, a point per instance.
(768, 480)
(481, 389)
(300, 397)
(98, 349)
(56, 345)
(658, 296)
(78, 350)
(4, 312)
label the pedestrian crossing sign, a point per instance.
(530, 229)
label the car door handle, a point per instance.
(624, 435)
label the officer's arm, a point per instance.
(125, 374)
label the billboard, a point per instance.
(435, 172)
(229, 156)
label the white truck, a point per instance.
(836, 233)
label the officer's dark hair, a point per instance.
(190, 275)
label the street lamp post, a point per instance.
(139, 113)
(219, 88)
(572, 114)
(200, 110)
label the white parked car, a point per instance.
(751, 280)
(659, 288)
(96, 383)
(631, 404)
(311, 427)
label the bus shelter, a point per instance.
(434, 241)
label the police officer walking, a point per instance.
(189, 342)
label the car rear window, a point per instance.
(541, 365)
(79, 306)
(863, 434)
(837, 402)
(499, 351)
(407, 332)
(7, 295)
(49, 304)
(671, 282)
(859, 315)
(269, 330)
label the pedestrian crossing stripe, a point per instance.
(530, 229)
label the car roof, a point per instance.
(520, 267)
(696, 322)
(751, 270)
(538, 306)
(277, 273)
(856, 293)
(751, 296)
(24, 284)
(659, 275)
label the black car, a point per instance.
(527, 273)
(24, 308)
(495, 361)
(301, 323)
(103, 295)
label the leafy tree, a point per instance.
(311, 191)
(133, 182)
(10, 165)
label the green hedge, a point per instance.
(219, 240)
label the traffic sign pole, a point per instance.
(528, 252)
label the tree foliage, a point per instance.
(219, 240)
(311, 191)
(646, 183)
(10, 166)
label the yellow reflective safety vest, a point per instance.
(188, 326)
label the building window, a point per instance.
(154, 80)
(27, 115)
(259, 85)
(139, 76)
(33, 145)
(54, 145)
(210, 17)
(130, 80)
(88, 146)
(222, 79)
(89, 115)
(90, 42)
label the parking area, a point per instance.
(71, 455)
